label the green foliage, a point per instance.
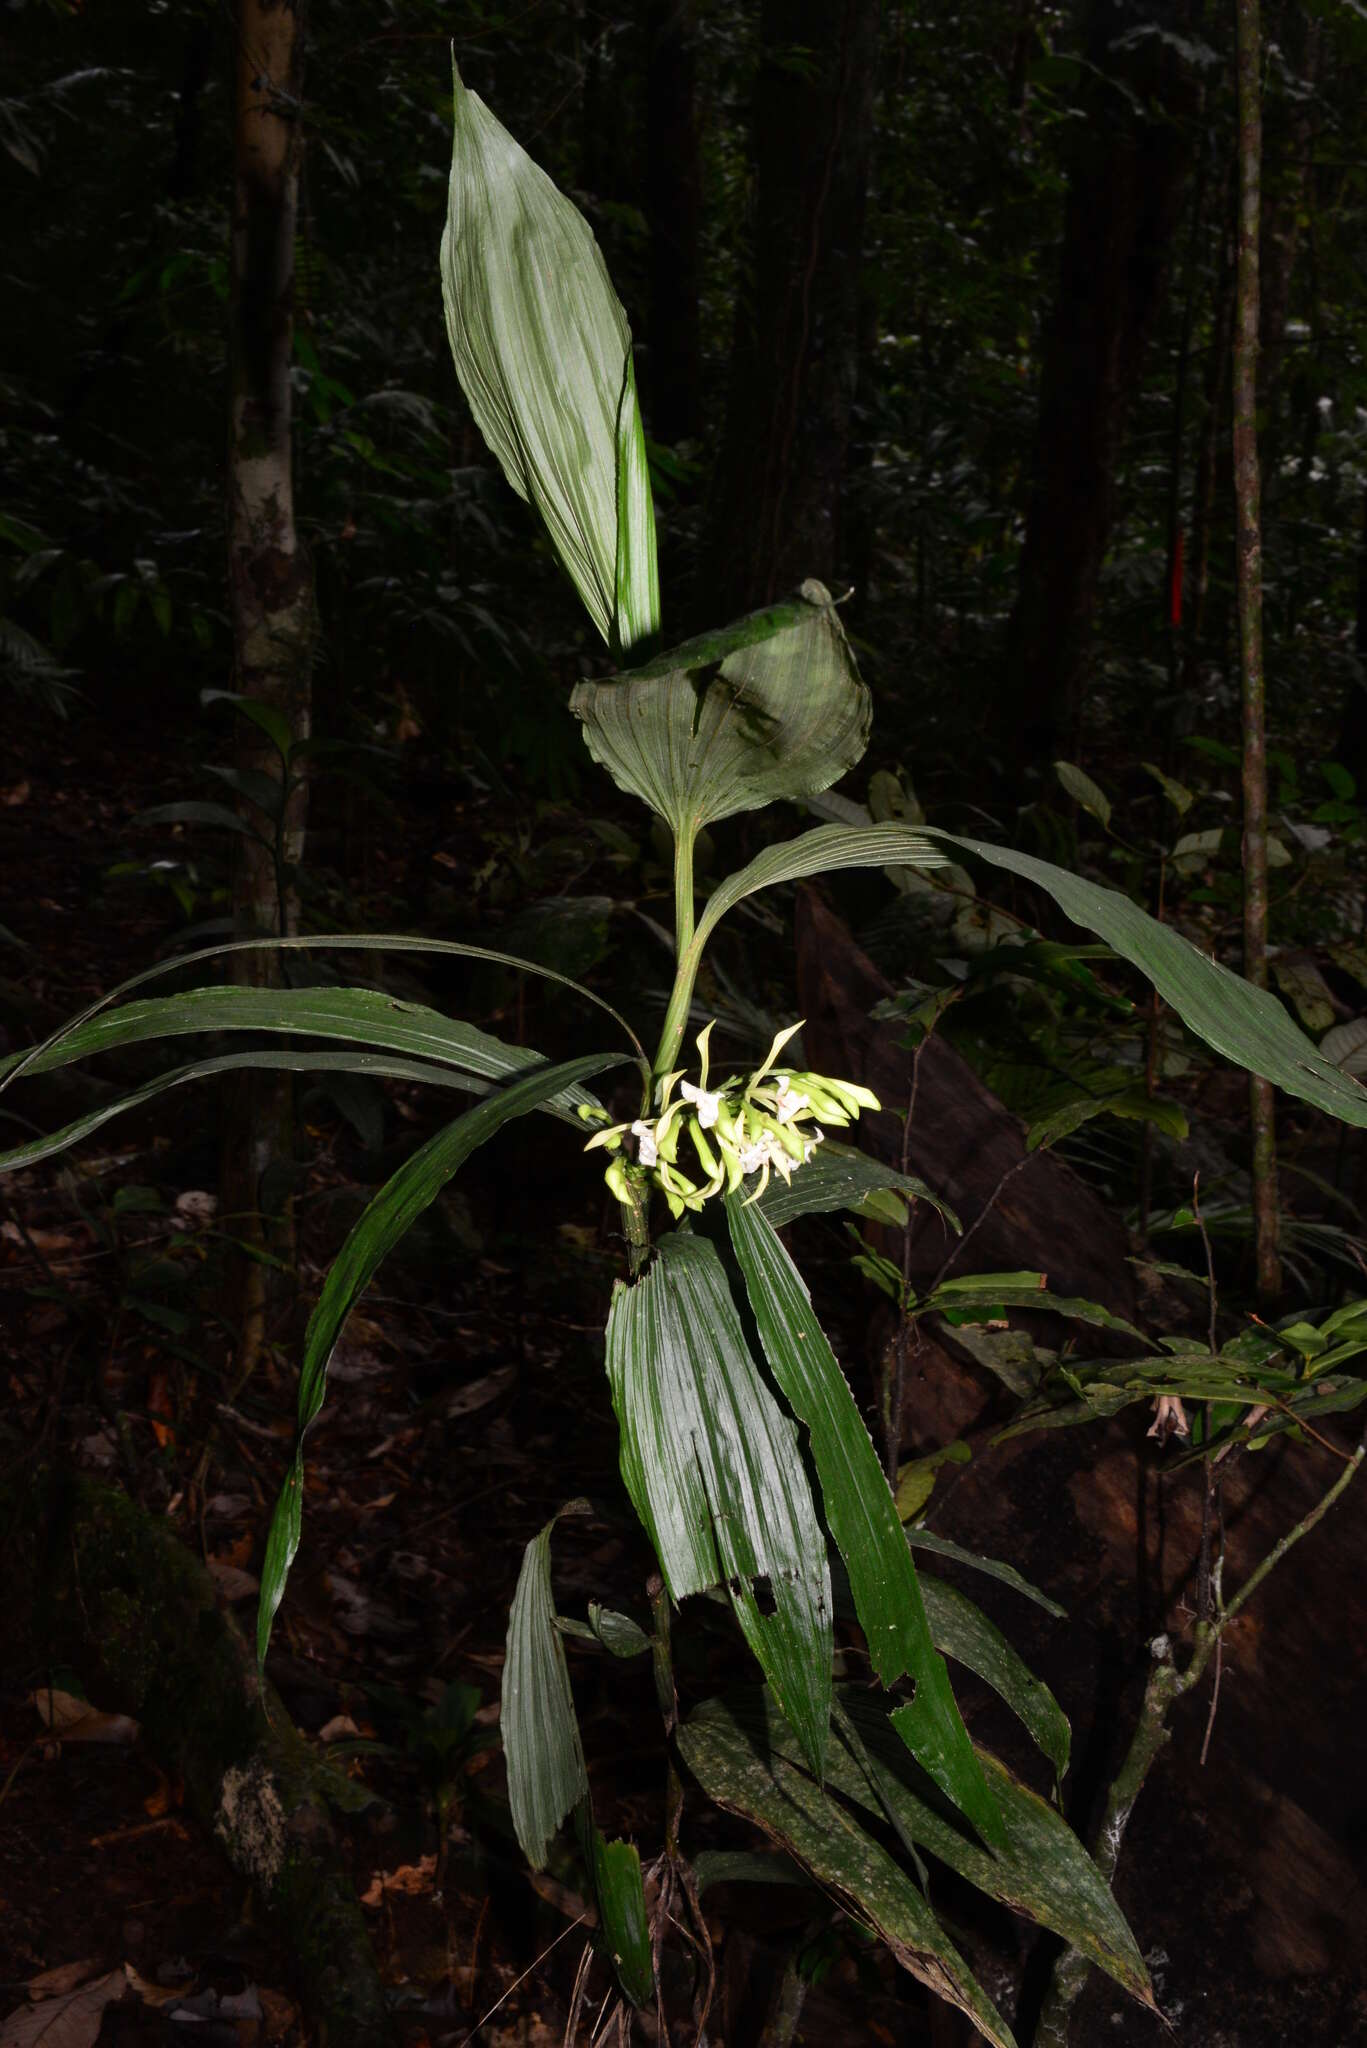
(713, 1460)
(543, 352)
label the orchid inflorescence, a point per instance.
(760, 1123)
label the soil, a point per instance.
(466, 1403)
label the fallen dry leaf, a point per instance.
(338, 1728)
(62, 1977)
(76, 1720)
(478, 1393)
(72, 2021)
(409, 1877)
(232, 1582)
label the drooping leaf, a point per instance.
(376, 1066)
(713, 1470)
(839, 1177)
(772, 707)
(386, 1219)
(991, 1567)
(736, 1758)
(964, 1633)
(52, 1051)
(1248, 1025)
(543, 352)
(860, 1512)
(821, 851)
(1130, 1103)
(985, 1292)
(363, 1015)
(1042, 1871)
(546, 1774)
(623, 1926)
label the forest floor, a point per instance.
(467, 1402)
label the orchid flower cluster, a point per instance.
(765, 1122)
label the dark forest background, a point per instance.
(935, 305)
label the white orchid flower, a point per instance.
(647, 1150)
(788, 1103)
(706, 1101)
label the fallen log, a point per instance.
(113, 1591)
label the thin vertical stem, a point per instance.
(1248, 563)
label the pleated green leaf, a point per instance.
(377, 1066)
(363, 1015)
(543, 352)
(772, 707)
(541, 1746)
(741, 1758)
(714, 1472)
(386, 1219)
(623, 1927)
(1248, 1025)
(861, 1514)
(54, 1051)
(819, 852)
(1042, 1871)
(963, 1632)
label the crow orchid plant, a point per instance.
(742, 1448)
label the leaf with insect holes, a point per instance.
(713, 1469)
(771, 707)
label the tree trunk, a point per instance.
(271, 596)
(1213, 426)
(673, 201)
(775, 516)
(1125, 187)
(1249, 585)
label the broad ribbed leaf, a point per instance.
(860, 1513)
(375, 1065)
(818, 852)
(546, 1774)
(714, 1472)
(386, 1219)
(737, 1759)
(964, 1633)
(52, 1051)
(772, 707)
(543, 353)
(1042, 1871)
(366, 1016)
(1248, 1025)
(990, 1567)
(623, 1926)
(839, 1177)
